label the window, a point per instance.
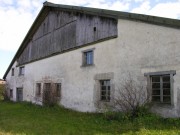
(58, 89)
(161, 88)
(105, 90)
(38, 89)
(47, 87)
(11, 93)
(160, 85)
(21, 70)
(88, 58)
(19, 94)
(12, 72)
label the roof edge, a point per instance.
(120, 14)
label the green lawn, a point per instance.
(25, 118)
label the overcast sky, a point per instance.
(17, 16)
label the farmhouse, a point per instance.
(84, 53)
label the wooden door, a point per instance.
(19, 94)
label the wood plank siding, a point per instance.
(64, 30)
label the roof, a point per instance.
(47, 6)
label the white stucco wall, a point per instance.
(139, 48)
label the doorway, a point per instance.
(19, 94)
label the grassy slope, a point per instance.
(24, 118)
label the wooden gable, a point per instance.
(64, 30)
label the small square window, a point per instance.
(88, 58)
(12, 72)
(21, 70)
(38, 89)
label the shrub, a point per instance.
(132, 98)
(4, 92)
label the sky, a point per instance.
(17, 16)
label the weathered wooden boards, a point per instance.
(64, 30)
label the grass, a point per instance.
(26, 118)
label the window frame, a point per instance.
(58, 94)
(38, 89)
(21, 70)
(161, 88)
(12, 72)
(107, 91)
(86, 61)
(11, 93)
(171, 73)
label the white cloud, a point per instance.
(14, 25)
(139, 0)
(144, 8)
(119, 6)
(10, 2)
(169, 9)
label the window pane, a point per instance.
(156, 79)
(156, 85)
(166, 91)
(12, 72)
(105, 90)
(156, 92)
(103, 97)
(166, 78)
(108, 92)
(108, 83)
(58, 89)
(166, 85)
(103, 93)
(88, 57)
(156, 98)
(11, 93)
(38, 89)
(103, 87)
(166, 99)
(102, 82)
(21, 70)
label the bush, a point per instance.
(132, 98)
(3, 92)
